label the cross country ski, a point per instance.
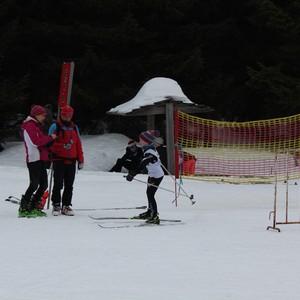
(131, 218)
(13, 200)
(16, 200)
(137, 225)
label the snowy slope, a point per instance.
(221, 251)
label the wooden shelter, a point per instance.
(160, 96)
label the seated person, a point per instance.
(130, 160)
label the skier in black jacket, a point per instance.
(130, 160)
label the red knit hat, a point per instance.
(67, 111)
(131, 143)
(37, 110)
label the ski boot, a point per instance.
(39, 213)
(154, 219)
(35, 204)
(67, 210)
(145, 215)
(24, 211)
(56, 210)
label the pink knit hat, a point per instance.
(149, 136)
(37, 110)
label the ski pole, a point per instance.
(50, 185)
(110, 208)
(191, 197)
(180, 188)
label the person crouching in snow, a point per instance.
(130, 160)
(150, 140)
(36, 145)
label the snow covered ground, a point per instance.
(221, 250)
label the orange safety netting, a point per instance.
(238, 152)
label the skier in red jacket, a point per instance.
(66, 151)
(36, 145)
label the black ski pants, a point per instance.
(63, 178)
(38, 179)
(151, 190)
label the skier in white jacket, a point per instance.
(149, 141)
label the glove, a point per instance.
(80, 166)
(130, 176)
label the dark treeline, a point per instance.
(240, 57)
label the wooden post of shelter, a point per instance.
(170, 136)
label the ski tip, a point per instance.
(102, 226)
(113, 227)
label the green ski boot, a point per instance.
(26, 214)
(39, 213)
(34, 206)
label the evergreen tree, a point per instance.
(239, 57)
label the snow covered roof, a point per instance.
(156, 91)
